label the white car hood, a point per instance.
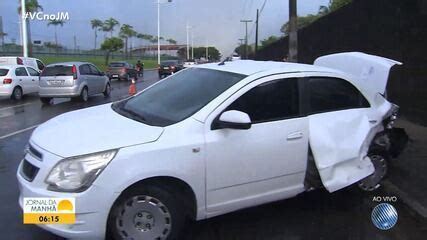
(92, 130)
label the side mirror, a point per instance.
(234, 120)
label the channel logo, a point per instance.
(384, 216)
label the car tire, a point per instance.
(153, 210)
(17, 93)
(379, 158)
(107, 91)
(45, 100)
(84, 95)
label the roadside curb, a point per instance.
(411, 203)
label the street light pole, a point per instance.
(293, 31)
(246, 36)
(158, 32)
(192, 45)
(24, 30)
(188, 42)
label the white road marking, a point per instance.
(18, 132)
(20, 105)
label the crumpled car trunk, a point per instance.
(340, 140)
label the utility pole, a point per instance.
(293, 32)
(188, 42)
(207, 50)
(246, 36)
(24, 30)
(75, 43)
(256, 33)
(2, 34)
(158, 27)
(192, 45)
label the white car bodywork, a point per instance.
(32, 62)
(28, 84)
(226, 169)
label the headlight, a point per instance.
(76, 174)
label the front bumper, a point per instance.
(92, 206)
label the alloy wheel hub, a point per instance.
(372, 182)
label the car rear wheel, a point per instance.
(17, 93)
(150, 212)
(84, 95)
(107, 90)
(45, 100)
(372, 182)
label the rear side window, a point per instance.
(32, 72)
(21, 72)
(333, 94)
(116, 65)
(58, 70)
(270, 101)
(3, 72)
(94, 70)
(84, 69)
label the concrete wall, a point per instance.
(391, 28)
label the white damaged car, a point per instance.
(213, 139)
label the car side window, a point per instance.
(270, 101)
(33, 72)
(84, 69)
(20, 72)
(94, 70)
(40, 65)
(333, 94)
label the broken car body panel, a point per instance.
(340, 140)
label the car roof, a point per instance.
(69, 63)
(250, 67)
(10, 66)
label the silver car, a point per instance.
(72, 79)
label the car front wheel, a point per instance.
(84, 95)
(107, 90)
(151, 212)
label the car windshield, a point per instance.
(58, 70)
(3, 72)
(177, 97)
(116, 64)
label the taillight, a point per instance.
(123, 70)
(7, 81)
(19, 61)
(172, 67)
(74, 70)
(159, 67)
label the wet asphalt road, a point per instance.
(314, 215)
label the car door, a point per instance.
(23, 79)
(264, 163)
(86, 76)
(341, 129)
(97, 78)
(34, 76)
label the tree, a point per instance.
(110, 45)
(2, 35)
(126, 32)
(323, 10)
(200, 52)
(30, 6)
(55, 23)
(268, 41)
(109, 25)
(171, 41)
(96, 25)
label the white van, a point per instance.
(32, 62)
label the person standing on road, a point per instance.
(139, 68)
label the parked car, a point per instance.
(32, 62)
(189, 63)
(169, 67)
(72, 79)
(18, 80)
(121, 71)
(213, 139)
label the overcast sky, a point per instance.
(215, 21)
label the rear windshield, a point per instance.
(58, 70)
(3, 72)
(116, 65)
(169, 63)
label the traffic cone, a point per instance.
(132, 88)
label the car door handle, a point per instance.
(295, 135)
